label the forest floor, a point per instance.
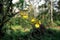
(56, 28)
(52, 33)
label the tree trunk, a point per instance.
(4, 11)
(51, 15)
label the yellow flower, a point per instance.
(33, 20)
(25, 16)
(37, 25)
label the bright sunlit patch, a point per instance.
(26, 30)
(16, 28)
(15, 1)
(20, 28)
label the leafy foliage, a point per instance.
(25, 26)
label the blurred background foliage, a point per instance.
(21, 21)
